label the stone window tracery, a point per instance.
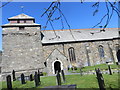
(71, 52)
(101, 51)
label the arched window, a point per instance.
(101, 51)
(71, 54)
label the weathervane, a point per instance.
(22, 7)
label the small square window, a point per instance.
(21, 28)
(18, 21)
(24, 21)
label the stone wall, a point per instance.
(22, 49)
(80, 51)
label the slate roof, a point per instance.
(21, 16)
(20, 24)
(79, 35)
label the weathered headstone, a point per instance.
(31, 77)
(58, 78)
(36, 79)
(22, 79)
(68, 68)
(110, 72)
(13, 74)
(38, 76)
(72, 68)
(100, 79)
(63, 75)
(9, 82)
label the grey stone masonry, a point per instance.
(22, 48)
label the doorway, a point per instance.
(118, 55)
(57, 66)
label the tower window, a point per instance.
(18, 21)
(21, 28)
(71, 54)
(24, 21)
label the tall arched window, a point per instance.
(101, 51)
(71, 54)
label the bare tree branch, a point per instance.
(50, 12)
(6, 3)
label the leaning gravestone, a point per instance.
(36, 79)
(9, 82)
(58, 78)
(110, 72)
(13, 74)
(22, 79)
(100, 79)
(63, 75)
(31, 77)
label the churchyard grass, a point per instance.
(85, 81)
(88, 68)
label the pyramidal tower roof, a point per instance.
(21, 16)
(21, 20)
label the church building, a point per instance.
(27, 49)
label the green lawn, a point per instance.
(101, 66)
(86, 81)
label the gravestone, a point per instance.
(100, 79)
(36, 79)
(72, 68)
(38, 76)
(58, 78)
(9, 82)
(68, 68)
(13, 74)
(22, 79)
(63, 75)
(110, 72)
(31, 77)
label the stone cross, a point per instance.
(13, 74)
(31, 77)
(9, 82)
(100, 79)
(36, 79)
(22, 78)
(58, 78)
(110, 72)
(63, 75)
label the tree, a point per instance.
(111, 8)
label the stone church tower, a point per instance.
(22, 48)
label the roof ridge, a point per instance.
(22, 15)
(79, 29)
